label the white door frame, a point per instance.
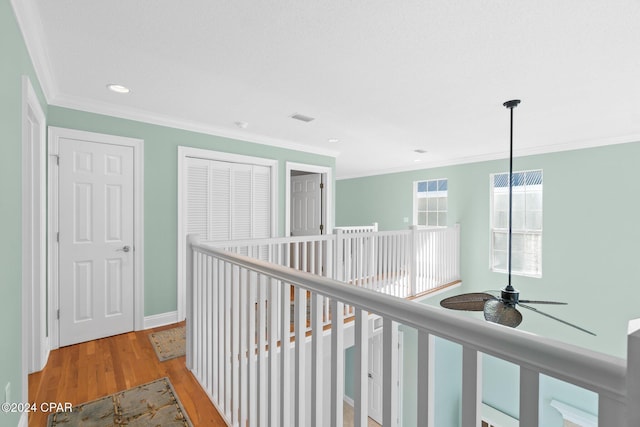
(185, 152)
(327, 194)
(35, 344)
(55, 134)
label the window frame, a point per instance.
(515, 232)
(416, 211)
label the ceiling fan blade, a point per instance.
(473, 301)
(497, 311)
(556, 318)
(528, 301)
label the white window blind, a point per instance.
(228, 201)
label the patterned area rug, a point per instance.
(152, 404)
(170, 343)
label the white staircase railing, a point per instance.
(400, 263)
(357, 228)
(245, 348)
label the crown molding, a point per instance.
(532, 151)
(144, 116)
(31, 28)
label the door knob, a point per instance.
(124, 249)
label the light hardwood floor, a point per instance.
(87, 371)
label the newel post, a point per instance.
(339, 255)
(413, 260)
(191, 240)
(633, 373)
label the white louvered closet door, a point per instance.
(261, 202)
(197, 199)
(228, 201)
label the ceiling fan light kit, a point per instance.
(502, 309)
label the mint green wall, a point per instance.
(590, 236)
(160, 187)
(15, 63)
(590, 233)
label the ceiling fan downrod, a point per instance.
(509, 290)
(502, 310)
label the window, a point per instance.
(430, 203)
(527, 223)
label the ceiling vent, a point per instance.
(420, 151)
(302, 117)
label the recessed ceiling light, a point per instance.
(333, 140)
(301, 117)
(417, 160)
(242, 125)
(118, 88)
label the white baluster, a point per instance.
(300, 325)
(529, 397)
(189, 263)
(285, 356)
(274, 374)
(252, 341)
(262, 398)
(389, 373)
(471, 387)
(208, 332)
(199, 313)
(228, 349)
(613, 412)
(361, 366)
(337, 362)
(215, 329)
(317, 355)
(235, 344)
(426, 379)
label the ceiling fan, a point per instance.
(501, 308)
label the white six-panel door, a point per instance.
(375, 377)
(96, 278)
(306, 209)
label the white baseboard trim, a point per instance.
(161, 319)
(24, 420)
(46, 351)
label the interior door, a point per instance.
(306, 205)
(96, 240)
(375, 377)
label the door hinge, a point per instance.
(57, 160)
(321, 186)
(58, 314)
(321, 228)
(58, 237)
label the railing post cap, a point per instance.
(634, 327)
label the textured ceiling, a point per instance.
(383, 77)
